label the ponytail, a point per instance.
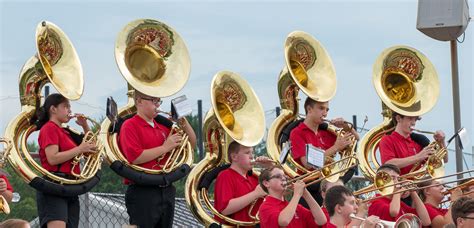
(42, 115)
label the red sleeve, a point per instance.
(387, 150)
(48, 136)
(298, 144)
(268, 216)
(223, 191)
(9, 187)
(130, 142)
(308, 216)
(380, 209)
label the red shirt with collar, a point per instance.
(302, 135)
(271, 208)
(396, 146)
(137, 135)
(381, 208)
(9, 187)
(229, 185)
(434, 211)
(53, 134)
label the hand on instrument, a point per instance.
(87, 147)
(298, 188)
(81, 120)
(259, 192)
(338, 122)
(343, 142)
(371, 221)
(439, 137)
(425, 153)
(456, 194)
(172, 141)
(266, 162)
(3, 185)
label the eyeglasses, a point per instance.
(467, 217)
(278, 176)
(156, 101)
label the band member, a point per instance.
(236, 187)
(275, 211)
(325, 186)
(308, 132)
(463, 212)
(6, 189)
(341, 203)
(390, 208)
(56, 151)
(400, 149)
(432, 197)
(146, 143)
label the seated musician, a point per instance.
(432, 197)
(6, 189)
(401, 150)
(390, 208)
(275, 211)
(463, 212)
(237, 188)
(340, 204)
(308, 132)
(146, 143)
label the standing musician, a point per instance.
(401, 150)
(340, 204)
(432, 197)
(275, 211)
(307, 132)
(236, 187)
(6, 189)
(57, 150)
(463, 212)
(146, 143)
(390, 208)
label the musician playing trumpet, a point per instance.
(401, 150)
(237, 187)
(143, 141)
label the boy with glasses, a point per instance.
(463, 212)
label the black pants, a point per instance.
(150, 206)
(52, 208)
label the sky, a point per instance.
(246, 37)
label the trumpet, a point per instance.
(434, 165)
(92, 161)
(407, 220)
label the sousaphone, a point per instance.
(55, 62)
(407, 83)
(236, 115)
(154, 60)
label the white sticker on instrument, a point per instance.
(314, 156)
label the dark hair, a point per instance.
(394, 117)
(335, 196)
(389, 167)
(265, 176)
(309, 102)
(42, 115)
(424, 182)
(234, 147)
(461, 208)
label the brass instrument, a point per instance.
(407, 83)
(308, 68)
(55, 62)
(434, 165)
(154, 60)
(4, 208)
(236, 115)
(407, 220)
(92, 161)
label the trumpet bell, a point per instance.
(406, 81)
(152, 57)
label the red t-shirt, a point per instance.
(137, 135)
(302, 135)
(434, 211)
(271, 208)
(229, 185)
(396, 146)
(9, 187)
(381, 208)
(52, 134)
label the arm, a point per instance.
(56, 157)
(241, 202)
(420, 209)
(184, 124)
(318, 214)
(395, 205)
(286, 215)
(149, 154)
(404, 162)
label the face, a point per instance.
(277, 181)
(243, 157)
(435, 192)
(468, 221)
(148, 106)
(61, 112)
(349, 207)
(318, 112)
(407, 123)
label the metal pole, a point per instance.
(456, 105)
(199, 133)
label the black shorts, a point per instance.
(150, 206)
(52, 208)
